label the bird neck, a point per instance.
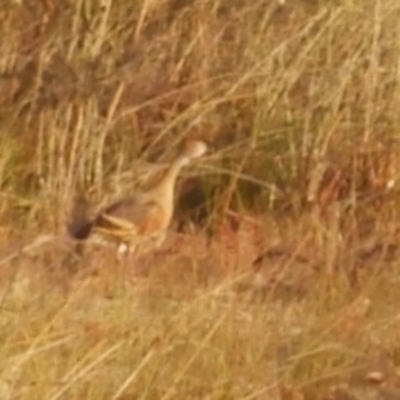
(165, 186)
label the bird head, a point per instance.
(194, 149)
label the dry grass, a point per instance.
(300, 104)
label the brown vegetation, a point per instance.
(279, 278)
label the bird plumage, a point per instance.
(143, 217)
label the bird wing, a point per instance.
(130, 217)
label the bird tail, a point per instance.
(80, 231)
(79, 226)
